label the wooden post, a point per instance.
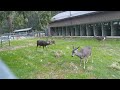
(102, 29)
(112, 32)
(1, 42)
(65, 31)
(9, 42)
(80, 31)
(94, 29)
(87, 33)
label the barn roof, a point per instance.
(69, 14)
(20, 30)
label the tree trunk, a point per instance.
(9, 20)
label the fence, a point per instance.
(5, 39)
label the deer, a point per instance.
(42, 43)
(83, 54)
(100, 38)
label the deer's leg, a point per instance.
(86, 60)
(80, 61)
(91, 58)
(45, 47)
(84, 64)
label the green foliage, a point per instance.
(11, 20)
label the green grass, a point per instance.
(28, 63)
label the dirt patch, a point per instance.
(115, 65)
(90, 68)
(59, 53)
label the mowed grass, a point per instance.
(55, 61)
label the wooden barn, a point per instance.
(85, 23)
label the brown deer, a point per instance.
(42, 43)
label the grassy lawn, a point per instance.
(55, 61)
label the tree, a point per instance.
(5, 15)
(39, 20)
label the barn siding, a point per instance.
(102, 24)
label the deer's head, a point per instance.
(74, 51)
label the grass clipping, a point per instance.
(115, 65)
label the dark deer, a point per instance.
(42, 43)
(100, 38)
(83, 54)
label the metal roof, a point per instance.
(26, 29)
(69, 14)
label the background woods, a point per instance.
(38, 20)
